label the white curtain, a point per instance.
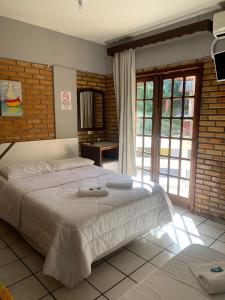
(86, 109)
(124, 72)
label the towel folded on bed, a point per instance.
(120, 183)
(92, 191)
(211, 276)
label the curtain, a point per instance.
(124, 72)
(86, 109)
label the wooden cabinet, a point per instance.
(100, 152)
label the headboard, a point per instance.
(21, 152)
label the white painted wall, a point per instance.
(188, 47)
(27, 42)
(65, 121)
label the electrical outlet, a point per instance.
(90, 132)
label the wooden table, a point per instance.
(98, 150)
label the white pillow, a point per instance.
(23, 170)
(70, 163)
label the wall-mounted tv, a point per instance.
(219, 60)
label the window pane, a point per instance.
(190, 86)
(163, 181)
(186, 149)
(149, 90)
(166, 107)
(185, 168)
(140, 109)
(148, 126)
(165, 127)
(175, 148)
(174, 166)
(167, 87)
(139, 141)
(187, 129)
(176, 128)
(148, 108)
(173, 185)
(138, 159)
(147, 161)
(178, 87)
(177, 108)
(189, 107)
(146, 176)
(147, 144)
(164, 147)
(163, 165)
(139, 126)
(140, 90)
(184, 188)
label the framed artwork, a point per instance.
(11, 98)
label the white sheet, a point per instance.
(72, 231)
(174, 280)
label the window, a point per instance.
(167, 113)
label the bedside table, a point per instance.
(98, 151)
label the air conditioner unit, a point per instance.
(219, 25)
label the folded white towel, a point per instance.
(120, 183)
(211, 276)
(92, 191)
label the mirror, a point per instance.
(91, 109)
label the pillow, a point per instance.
(23, 170)
(70, 163)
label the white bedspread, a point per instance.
(71, 231)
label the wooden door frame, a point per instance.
(157, 75)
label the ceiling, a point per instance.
(102, 21)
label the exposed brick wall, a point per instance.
(37, 121)
(111, 117)
(210, 175)
(105, 84)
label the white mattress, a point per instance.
(174, 280)
(73, 232)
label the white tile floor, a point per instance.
(20, 264)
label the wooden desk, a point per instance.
(98, 150)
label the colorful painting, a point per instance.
(11, 98)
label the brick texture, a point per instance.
(105, 84)
(111, 117)
(38, 120)
(210, 174)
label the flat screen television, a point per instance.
(219, 60)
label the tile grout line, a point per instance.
(105, 260)
(215, 240)
(32, 273)
(126, 276)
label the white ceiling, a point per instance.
(103, 20)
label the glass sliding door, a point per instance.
(176, 134)
(167, 113)
(144, 117)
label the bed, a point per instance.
(174, 280)
(72, 232)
